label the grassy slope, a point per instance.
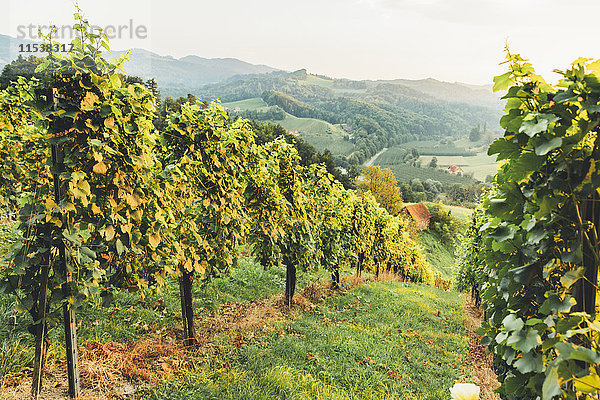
(379, 341)
(319, 133)
(252, 104)
(462, 213)
(438, 254)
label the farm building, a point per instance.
(454, 169)
(420, 214)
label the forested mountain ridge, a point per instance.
(378, 114)
(373, 114)
(170, 73)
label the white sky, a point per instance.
(450, 40)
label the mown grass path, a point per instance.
(380, 340)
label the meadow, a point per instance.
(371, 339)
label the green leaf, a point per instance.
(538, 123)
(524, 341)
(512, 323)
(573, 255)
(544, 148)
(527, 163)
(503, 81)
(502, 233)
(529, 363)
(586, 355)
(572, 276)
(505, 148)
(551, 386)
(553, 304)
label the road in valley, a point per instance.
(372, 160)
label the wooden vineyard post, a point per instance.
(585, 289)
(41, 344)
(187, 307)
(68, 312)
(290, 281)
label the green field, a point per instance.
(253, 104)
(317, 80)
(319, 133)
(480, 165)
(404, 173)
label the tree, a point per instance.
(22, 66)
(433, 163)
(475, 134)
(384, 187)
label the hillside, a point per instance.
(352, 119)
(373, 115)
(186, 72)
(172, 74)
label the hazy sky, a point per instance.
(450, 40)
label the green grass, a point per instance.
(462, 213)
(319, 133)
(438, 254)
(405, 172)
(130, 316)
(252, 104)
(480, 165)
(8, 236)
(385, 340)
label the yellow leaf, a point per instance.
(206, 202)
(88, 102)
(203, 267)
(100, 168)
(96, 209)
(50, 204)
(109, 232)
(154, 240)
(126, 228)
(133, 200)
(137, 215)
(109, 122)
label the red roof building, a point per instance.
(454, 169)
(420, 214)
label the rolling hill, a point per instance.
(170, 73)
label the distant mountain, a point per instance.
(367, 115)
(374, 114)
(186, 72)
(456, 92)
(9, 49)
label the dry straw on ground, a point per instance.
(478, 361)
